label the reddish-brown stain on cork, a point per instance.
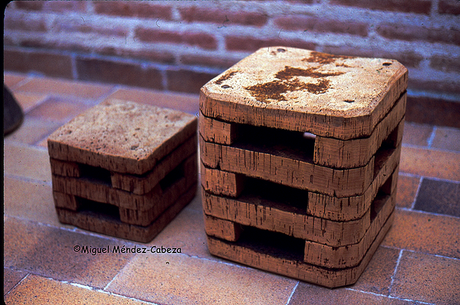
(323, 58)
(290, 72)
(225, 77)
(274, 90)
(286, 81)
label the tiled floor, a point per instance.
(418, 262)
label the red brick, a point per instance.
(411, 6)
(433, 111)
(187, 81)
(65, 6)
(147, 54)
(70, 27)
(222, 17)
(143, 9)
(69, 45)
(210, 61)
(202, 40)
(447, 86)
(20, 24)
(50, 64)
(301, 1)
(150, 35)
(239, 43)
(451, 7)
(321, 25)
(29, 5)
(445, 63)
(118, 73)
(414, 33)
(408, 59)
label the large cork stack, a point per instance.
(299, 161)
(124, 169)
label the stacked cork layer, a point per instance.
(124, 169)
(299, 161)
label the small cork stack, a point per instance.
(299, 161)
(124, 169)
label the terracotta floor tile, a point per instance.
(307, 294)
(424, 232)
(427, 278)
(180, 279)
(83, 90)
(49, 252)
(186, 231)
(437, 196)
(57, 109)
(185, 102)
(377, 276)
(430, 163)
(11, 278)
(30, 200)
(32, 131)
(38, 290)
(407, 189)
(416, 134)
(11, 80)
(447, 138)
(27, 162)
(42, 143)
(28, 100)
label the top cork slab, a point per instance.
(122, 136)
(328, 95)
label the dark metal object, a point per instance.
(12, 112)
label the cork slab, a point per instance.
(275, 208)
(284, 257)
(328, 95)
(121, 136)
(296, 170)
(110, 224)
(137, 184)
(315, 253)
(326, 151)
(132, 208)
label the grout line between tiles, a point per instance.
(28, 179)
(27, 78)
(395, 271)
(94, 289)
(427, 213)
(386, 296)
(430, 148)
(292, 293)
(12, 288)
(431, 137)
(109, 293)
(73, 229)
(416, 193)
(432, 254)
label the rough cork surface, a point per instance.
(285, 263)
(122, 136)
(295, 89)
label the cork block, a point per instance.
(301, 147)
(124, 169)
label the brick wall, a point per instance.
(180, 45)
